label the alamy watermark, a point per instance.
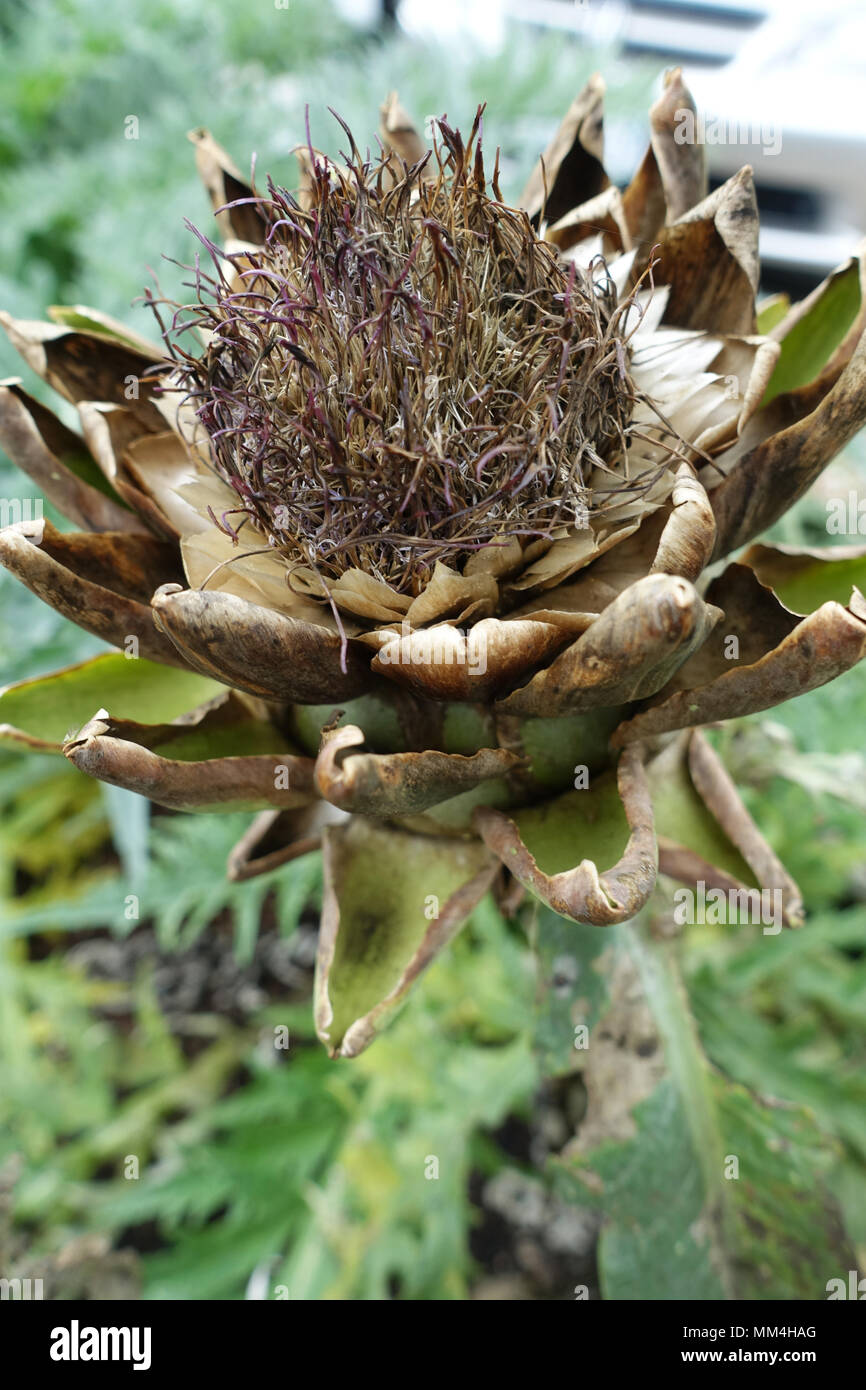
(846, 516)
(851, 1288)
(14, 510)
(439, 646)
(21, 1290)
(717, 907)
(77, 1343)
(694, 128)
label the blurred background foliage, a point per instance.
(153, 1138)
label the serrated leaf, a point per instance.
(656, 1241)
(706, 1191)
(786, 1228)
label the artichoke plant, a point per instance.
(411, 532)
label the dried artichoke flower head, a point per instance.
(405, 372)
(414, 533)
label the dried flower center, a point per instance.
(405, 373)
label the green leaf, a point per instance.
(374, 715)
(681, 816)
(786, 1227)
(41, 712)
(818, 581)
(247, 738)
(655, 1243)
(589, 824)
(184, 891)
(86, 320)
(129, 817)
(784, 1016)
(762, 749)
(88, 470)
(573, 988)
(814, 338)
(556, 746)
(706, 1192)
(771, 311)
(392, 902)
